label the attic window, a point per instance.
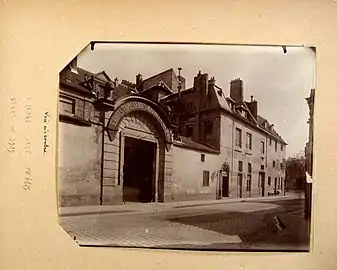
(189, 131)
(68, 80)
(202, 157)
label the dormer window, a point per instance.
(189, 131)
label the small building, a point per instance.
(157, 141)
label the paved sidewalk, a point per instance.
(159, 207)
(234, 225)
(139, 232)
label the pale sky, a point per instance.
(279, 82)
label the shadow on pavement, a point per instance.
(283, 229)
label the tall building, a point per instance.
(309, 155)
(156, 140)
(309, 146)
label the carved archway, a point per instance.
(127, 105)
(225, 167)
(138, 118)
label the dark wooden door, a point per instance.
(225, 186)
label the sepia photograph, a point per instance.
(187, 146)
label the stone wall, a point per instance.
(79, 164)
(187, 174)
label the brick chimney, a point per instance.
(236, 90)
(252, 106)
(200, 83)
(139, 82)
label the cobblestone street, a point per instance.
(238, 225)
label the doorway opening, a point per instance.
(139, 170)
(240, 184)
(225, 186)
(262, 182)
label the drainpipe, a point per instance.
(102, 158)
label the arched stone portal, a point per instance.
(135, 167)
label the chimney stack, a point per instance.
(201, 83)
(236, 90)
(181, 80)
(252, 106)
(139, 82)
(212, 81)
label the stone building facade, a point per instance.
(156, 141)
(309, 155)
(309, 146)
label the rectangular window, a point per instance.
(275, 146)
(238, 137)
(270, 141)
(208, 129)
(275, 183)
(205, 180)
(249, 182)
(202, 157)
(189, 131)
(281, 147)
(249, 177)
(279, 183)
(281, 166)
(273, 163)
(67, 105)
(262, 147)
(240, 169)
(249, 141)
(240, 182)
(269, 180)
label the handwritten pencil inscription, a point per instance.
(45, 131)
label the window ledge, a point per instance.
(73, 119)
(238, 149)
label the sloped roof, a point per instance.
(168, 77)
(221, 98)
(264, 124)
(188, 143)
(75, 80)
(103, 76)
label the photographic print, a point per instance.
(187, 146)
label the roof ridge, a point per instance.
(160, 73)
